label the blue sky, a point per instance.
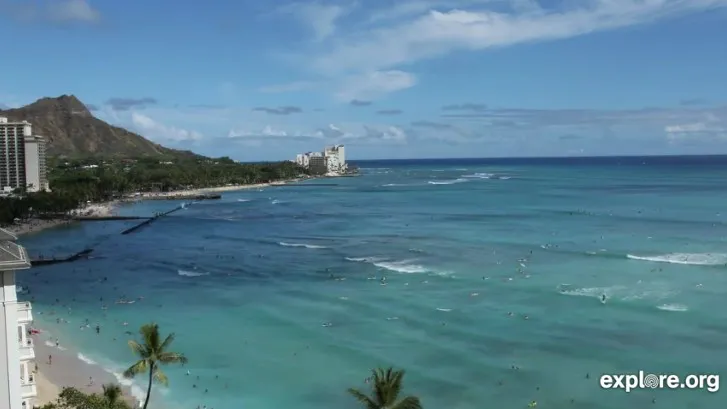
(390, 79)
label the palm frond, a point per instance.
(150, 336)
(137, 368)
(365, 400)
(160, 376)
(167, 342)
(172, 358)
(410, 402)
(395, 385)
(138, 349)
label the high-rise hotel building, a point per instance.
(22, 157)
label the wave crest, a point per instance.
(403, 266)
(694, 259)
(308, 246)
(185, 273)
(447, 182)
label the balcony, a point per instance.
(25, 313)
(27, 352)
(27, 389)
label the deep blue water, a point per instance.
(489, 264)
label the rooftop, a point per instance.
(12, 256)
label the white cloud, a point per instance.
(321, 18)
(436, 33)
(383, 40)
(710, 128)
(374, 84)
(160, 132)
(267, 131)
(73, 10)
(350, 133)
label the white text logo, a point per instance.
(628, 382)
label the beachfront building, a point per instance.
(331, 160)
(335, 158)
(36, 177)
(22, 157)
(12, 153)
(17, 383)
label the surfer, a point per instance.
(603, 298)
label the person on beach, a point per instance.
(50, 359)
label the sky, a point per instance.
(264, 80)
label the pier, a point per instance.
(206, 196)
(71, 258)
(153, 219)
(108, 218)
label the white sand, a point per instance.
(67, 370)
(191, 192)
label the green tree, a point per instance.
(152, 353)
(72, 398)
(386, 387)
(112, 393)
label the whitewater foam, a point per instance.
(185, 273)
(308, 246)
(53, 345)
(694, 259)
(479, 175)
(403, 266)
(673, 307)
(447, 182)
(85, 359)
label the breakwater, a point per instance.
(207, 196)
(49, 261)
(153, 219)
(108, 218)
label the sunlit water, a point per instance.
(487, 266)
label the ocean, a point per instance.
(481, 278)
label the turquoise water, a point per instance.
(488, 265)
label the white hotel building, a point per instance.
(331, 160)
(17, 383)
(22, 157)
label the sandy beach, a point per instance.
(192, 192)
(67, 370)
(35, 225)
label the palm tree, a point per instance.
(385, 389)
(153, 352)
(112, 393)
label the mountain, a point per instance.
(70, 129)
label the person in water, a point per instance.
(603, 298)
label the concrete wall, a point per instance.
(32, 166)
(9, 349)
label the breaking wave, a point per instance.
(695, 259)
(186, 273)
(308, 246)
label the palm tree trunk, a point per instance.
(148, 389)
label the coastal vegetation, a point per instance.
(72, 398)
(75, 182)
(386, 386)
(153, 352)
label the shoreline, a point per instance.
(214, 189)
(108, 209)
(36, 225)
(69, 370)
